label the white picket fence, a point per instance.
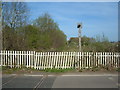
(43, 60)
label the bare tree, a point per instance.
(14, 14)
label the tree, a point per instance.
(58, 39)
(98, 44)
(53, 39)
(102, 38)
(45, 23)
(14, 14)
(1, 47)
(31, 37)
(9, 38)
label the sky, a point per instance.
(97, 17)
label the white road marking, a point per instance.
(73, 75)
(37, 75)
(13, 74)
(92, 75)
(110, 78)
(51, 75)
(40, 82)
(5, 75)
(9, 80)
(32, 75)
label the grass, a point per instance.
(8, 70)
(118, 69)
(59, 70)
(99, 68)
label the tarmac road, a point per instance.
(86, 82)
(27, 81)
(60, 81)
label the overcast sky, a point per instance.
(97, 18)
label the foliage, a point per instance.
(118, 69)
(99, 44)
(9, 38)
(99, 68)
(58, 39)
(52, 38)
(45, 23)
(32, 38)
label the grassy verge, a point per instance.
(118, 69)
(59, 70)
(23, 70)
(8, 70)
(94, 69)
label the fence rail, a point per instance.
(43, 60)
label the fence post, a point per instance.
(35, 56)
(3, 57)
(29, 58)
(20, 59)
(51, 62)
(61, 54)
(1, 54)
(37, 60)
(8, 59)
(11, 58)
(18, 54)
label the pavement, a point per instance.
(64, 80)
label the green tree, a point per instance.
(45, 23)
(58, 39)
(54, 39)
(9, 38)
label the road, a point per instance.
(60, 81)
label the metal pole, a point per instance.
(79, 31)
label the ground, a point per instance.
(35, 80)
